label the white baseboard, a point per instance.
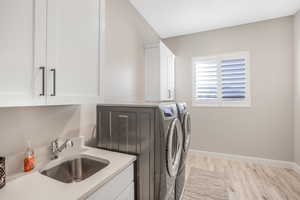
(269, 162)
(296, 168)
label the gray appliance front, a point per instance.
(172, 143)
(131, 130)
(186, 126)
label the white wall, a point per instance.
(38, 125)
(297, 87)
(126, 33)
(266, 128)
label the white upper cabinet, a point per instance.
(50, 52)
(73, 50)
(159, 73)
(20, 80)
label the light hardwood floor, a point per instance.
(249, 181)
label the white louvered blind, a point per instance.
(233, 75)
(221, 80)
(206, 75)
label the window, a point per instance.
(221, 80)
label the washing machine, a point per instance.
(185, 121)
(171, 147)
(152, 132)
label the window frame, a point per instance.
(219, 102)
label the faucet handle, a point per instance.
(69, 143)
(54, 145)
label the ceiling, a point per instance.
(179, 17)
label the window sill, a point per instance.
(222, 105)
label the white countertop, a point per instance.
(137, 104)
(36, 186)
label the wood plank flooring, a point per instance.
(250, 181)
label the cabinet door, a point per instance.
(152, 73)
(128, 194)
(104, 194)
(166, 74)
(73, 51)
(171, 76)
(117, 187)
(164, 82)
(20, 76)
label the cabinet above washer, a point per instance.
(159, 73)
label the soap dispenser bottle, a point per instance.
(29, 160)
(2, 172)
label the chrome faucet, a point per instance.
(56, 148)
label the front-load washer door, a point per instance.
(186, 131)
(174, 147)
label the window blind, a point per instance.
(233, 79)
(206, 80)
(221, 79)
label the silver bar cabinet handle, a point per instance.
(43, 81)
(54, 81)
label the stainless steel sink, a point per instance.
(76, 170)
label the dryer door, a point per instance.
(174, 147)
(187, 131)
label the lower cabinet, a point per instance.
(121, 187)
(128, 194)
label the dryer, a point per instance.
(153, 133)
(171, 147)
(185, 120)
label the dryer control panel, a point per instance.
(169, 111)
(182, 107)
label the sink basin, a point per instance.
(76, 170)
